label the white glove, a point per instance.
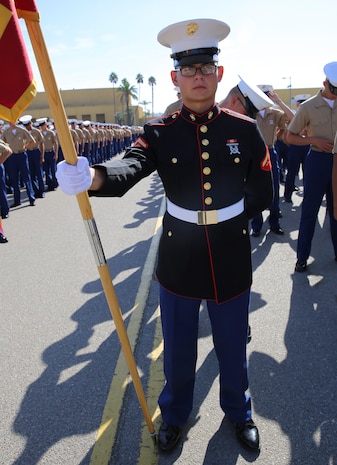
(74, 179)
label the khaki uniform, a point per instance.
(175, 106)
(86, 135)
(319, 119)
(19, 139)
(74, 136)
(35, 160)
(50, 140)
(4, 148)
(273, 119)
(50, 157)
(80, 138)
(39, 140)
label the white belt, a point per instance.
(205, 217)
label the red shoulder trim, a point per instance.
(140, 142)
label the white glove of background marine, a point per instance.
(74, 179)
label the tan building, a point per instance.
(98, 105)
(287, 95)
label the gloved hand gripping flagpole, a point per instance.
(56, 105)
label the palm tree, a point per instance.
(140, 80)
(127, 92)
(144, 103)
(119, 118)
(145, 111)
(114, 79)
(152, 82)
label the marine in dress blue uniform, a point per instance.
(215, 179)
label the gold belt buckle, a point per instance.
(206, 217)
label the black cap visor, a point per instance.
(197, 55)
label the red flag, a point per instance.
(17, 83)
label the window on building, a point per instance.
(100, 117)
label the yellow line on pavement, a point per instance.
(107, 431)
(148, 454)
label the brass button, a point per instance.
(207, 186)
(208, 200)
(193, 118)
(244, 231)
(203, 129)
(205, 142)
(206, 170)
(174, 115)
(210, 115)
(174, 160)
(237, 160)
(205, 155)
(169, 233)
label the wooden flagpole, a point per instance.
(57, 108)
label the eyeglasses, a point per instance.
(190, 71)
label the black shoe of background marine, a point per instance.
(3, 239)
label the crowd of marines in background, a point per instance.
(30, 151)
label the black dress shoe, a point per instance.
(248, 434)
(16, 204)
(301, 265)
(3, 239)
(168, 436)
(32, 203)
(5, 216)
(278, 231)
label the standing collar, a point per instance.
(200, 118)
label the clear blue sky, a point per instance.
(89, 39)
